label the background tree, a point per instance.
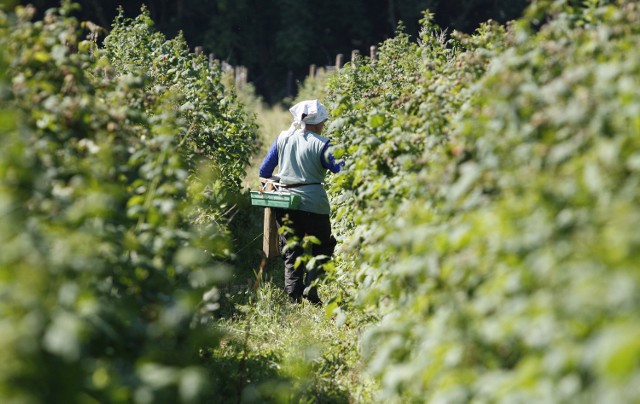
(280, 36)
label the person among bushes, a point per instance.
(303, 157)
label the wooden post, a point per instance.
(212, 60)
(354, 57)
(373, 53)
(270, 237)
(339, 57)
(226, 67)
(312, 71)
(270, 231)
(241, 74)
(198, 51)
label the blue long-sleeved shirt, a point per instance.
(271, 161)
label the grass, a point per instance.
(278, 352)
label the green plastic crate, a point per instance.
(275, 199)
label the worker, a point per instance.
(303, 157)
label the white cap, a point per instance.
(315, 113)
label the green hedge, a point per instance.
(108, 266)
(489, 209)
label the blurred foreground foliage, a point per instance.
(487, 218)
(112, 235)
(489, 210)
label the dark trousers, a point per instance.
(302, 224)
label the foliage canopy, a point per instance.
(109, 258)
(495, 183)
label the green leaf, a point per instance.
(376, 121)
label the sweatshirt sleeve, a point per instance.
(270, 161)
(328, 160)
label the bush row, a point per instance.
(112, 235)
(489, 208)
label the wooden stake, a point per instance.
(354, 57)
(270, 231)
(270, 238)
